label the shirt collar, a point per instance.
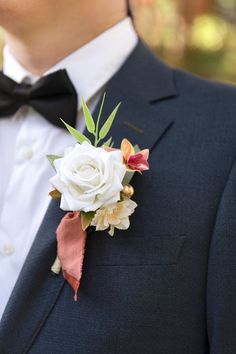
(91, 66)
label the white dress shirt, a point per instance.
(27, 137)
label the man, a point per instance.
(165, 286)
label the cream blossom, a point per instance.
(114, 216)
(88, 177)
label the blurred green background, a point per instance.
(198, 35)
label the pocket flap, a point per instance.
(156, 250)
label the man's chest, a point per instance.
(147, 285)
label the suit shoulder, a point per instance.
(205, 90)
(208, 107)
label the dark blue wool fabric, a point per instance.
(168, 284)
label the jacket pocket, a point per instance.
(154, 250)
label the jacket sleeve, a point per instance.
(221, 279)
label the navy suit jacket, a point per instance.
(168, 284)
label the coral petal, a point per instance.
(108, 148)
(145, 153)
(138, 162)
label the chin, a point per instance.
(12, 12)
(7, 14)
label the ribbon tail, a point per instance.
(74, 283)
(71, 240)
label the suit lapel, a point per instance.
(141, 82)
(139, 85)
(36, 289)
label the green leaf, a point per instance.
(136, 148)
(108, 142)
(88, 117)
(52, 158)
(76, 134)
(107, 125)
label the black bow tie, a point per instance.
(53, 96)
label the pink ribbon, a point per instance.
(71, 241)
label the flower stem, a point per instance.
(97, 140)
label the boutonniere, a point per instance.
(92, 181)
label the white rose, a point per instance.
(89, 178)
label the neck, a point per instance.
(41, 49)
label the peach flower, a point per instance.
(114, 216)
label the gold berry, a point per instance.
(128, 191)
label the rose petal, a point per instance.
(89, 178)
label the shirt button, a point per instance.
(8, 249)
(27, 153)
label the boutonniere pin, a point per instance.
(92, 181)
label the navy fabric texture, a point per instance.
(168, 284)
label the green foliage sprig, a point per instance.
(94, 129)
(99, 133)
